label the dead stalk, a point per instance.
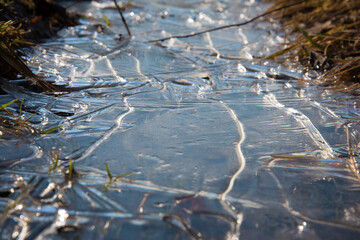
(229, 25)
(122, 18)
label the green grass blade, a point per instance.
(56, 159)
(108, 171)
(308, 38)
(21, 104)
(50, 130)
(17, 41)
(106, 20)
(124, 175)
(71, 168)
(8, 104)
(30, 117)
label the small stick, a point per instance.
(230, 25)
(351, 162)
(122, 18)
(140, 207)
(178, 222)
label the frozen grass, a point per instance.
(327, 37)
(13, 124)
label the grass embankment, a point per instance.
(327, 37)
(23, 22)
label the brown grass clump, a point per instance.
(38, 18)
(22, 22)
(11, 64)
(12, 123)
(327, 36)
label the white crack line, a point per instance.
(239, 154)
(108, 133)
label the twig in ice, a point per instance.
(229, 25)
(122, 18)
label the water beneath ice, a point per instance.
(209, 140)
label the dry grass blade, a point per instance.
(11, 61)
(178, 222)
(231, 25)
(351, 160)
(282, 52)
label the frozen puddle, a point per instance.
(203, 140)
